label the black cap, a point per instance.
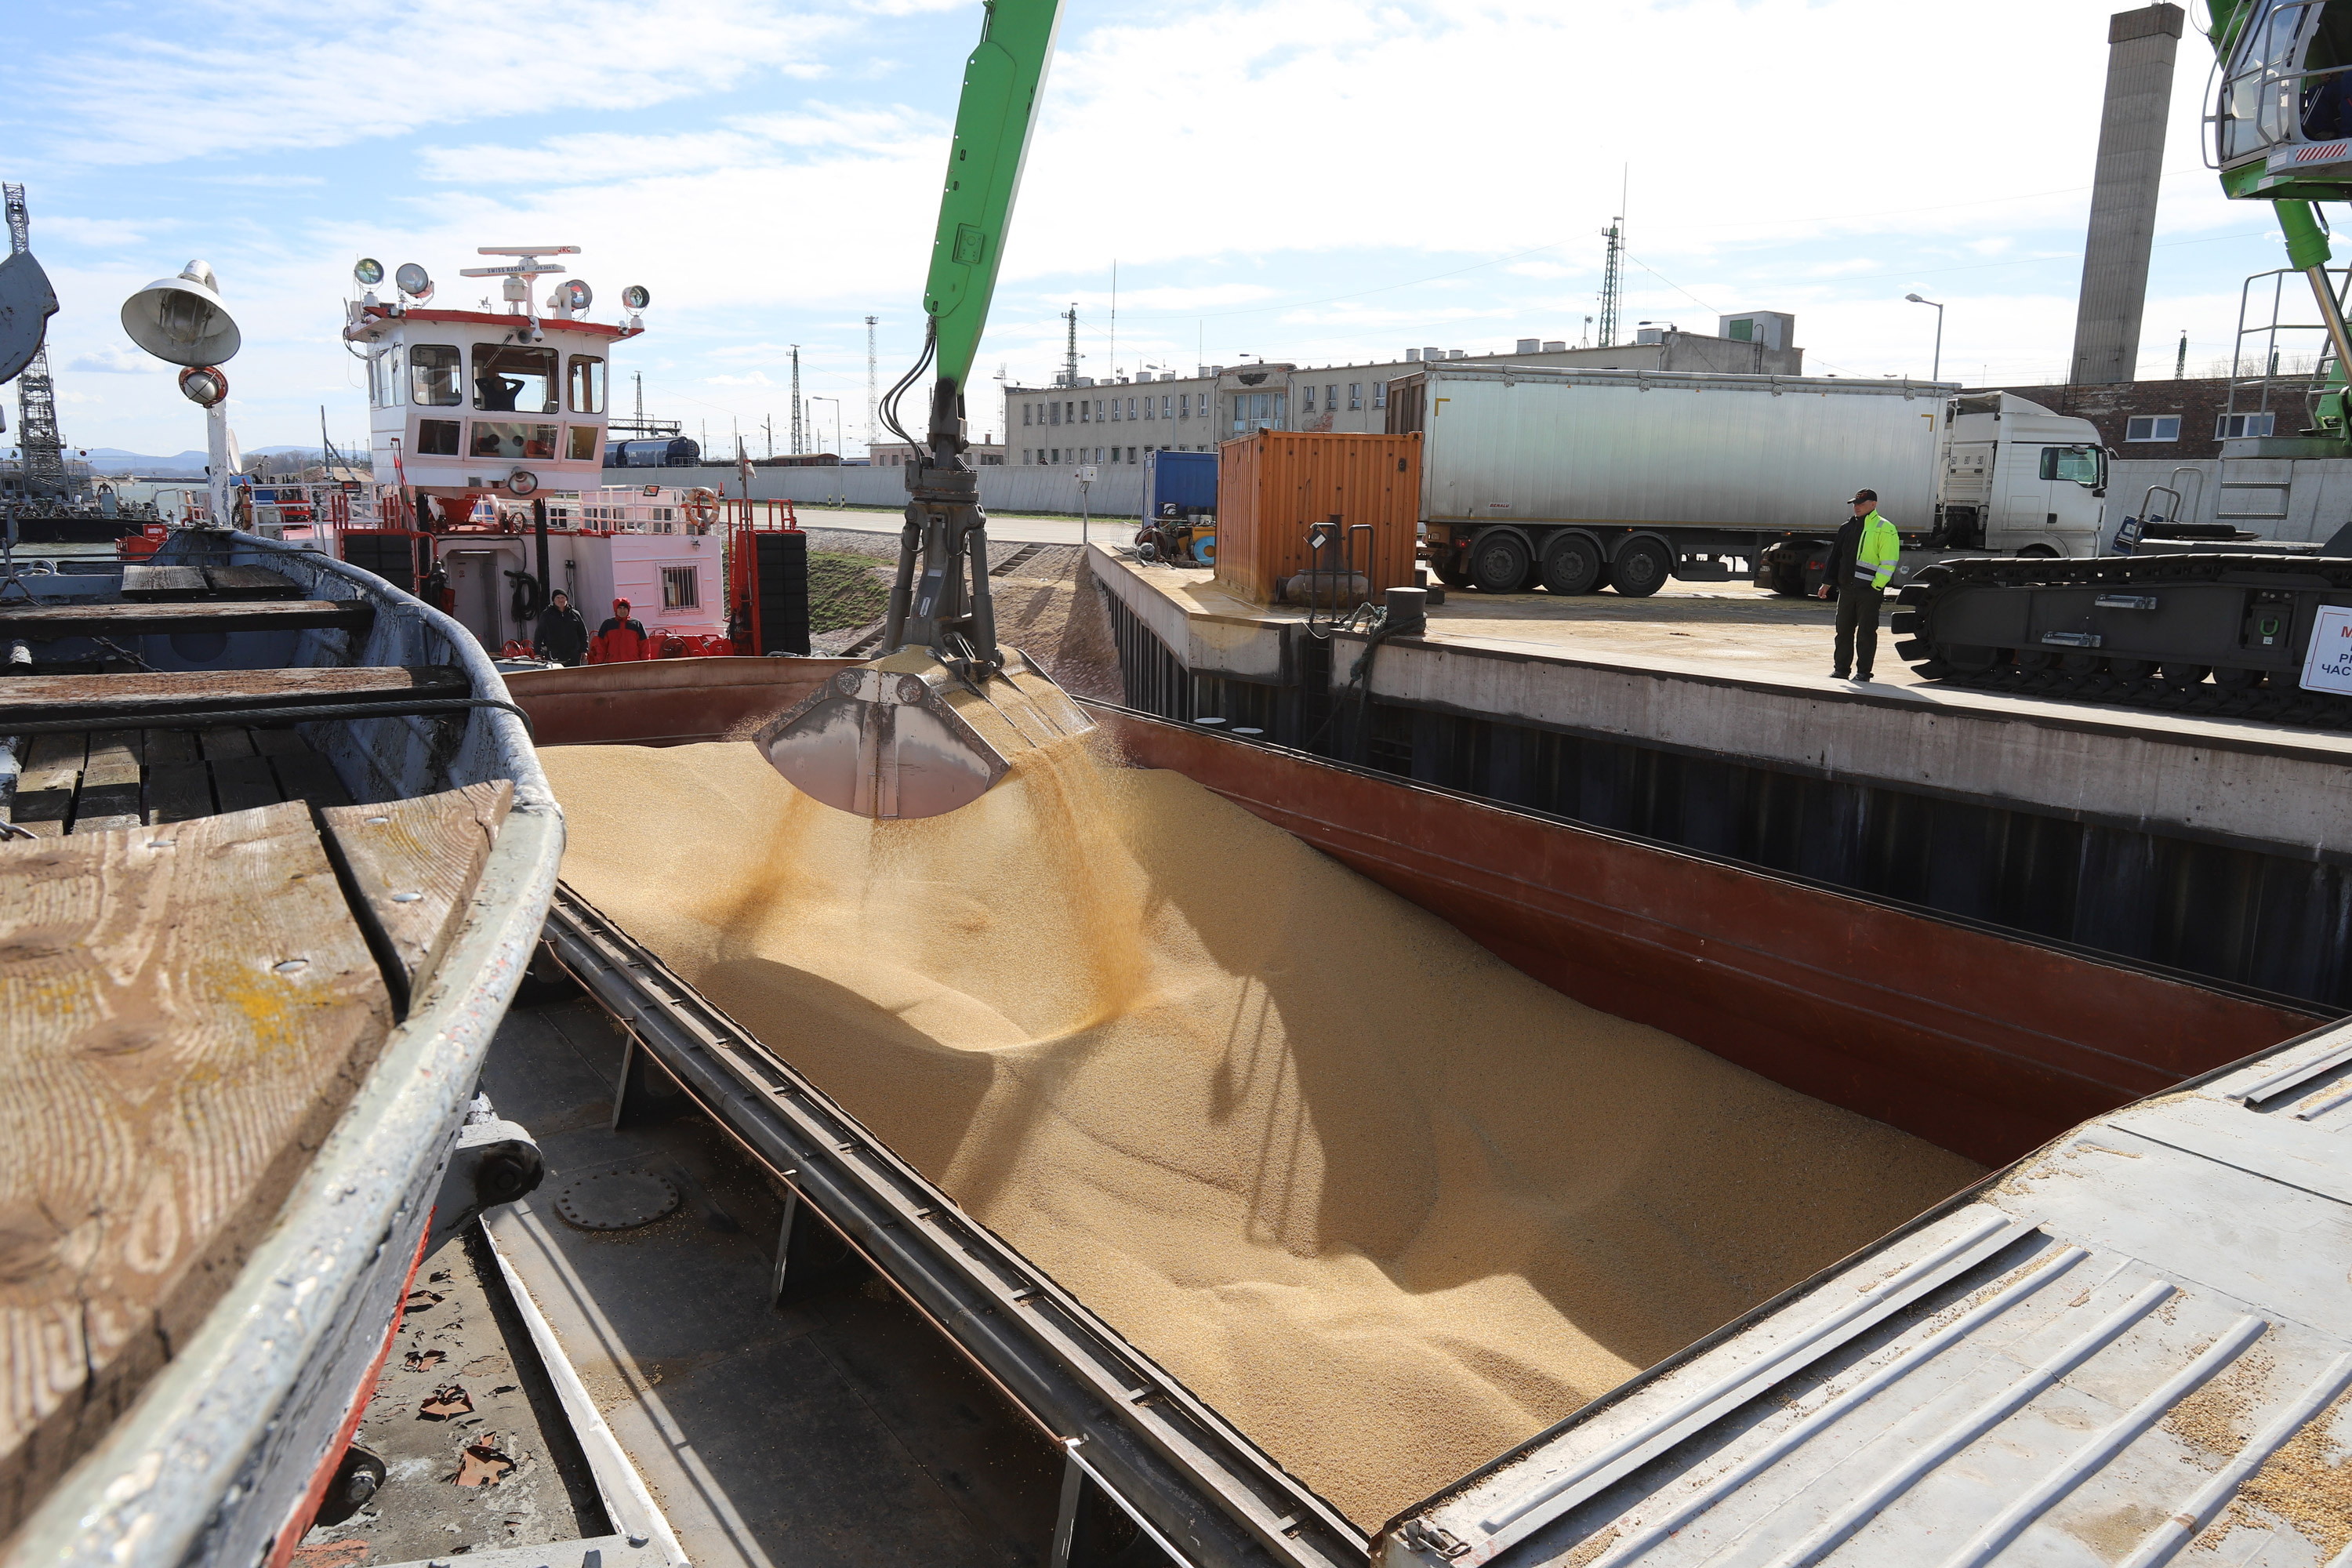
(1862, 496)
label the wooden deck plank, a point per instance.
(414, 865)
(176, 792)
(244, 783)
(224, 741)
(148, 583)
(161, 748)
(40, 623)
(45, 781)
(109, 783)
(251, 582)
(182, 1017)
(133, 695)
(306, 775)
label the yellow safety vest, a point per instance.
(1874, 555)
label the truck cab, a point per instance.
(2019, 479)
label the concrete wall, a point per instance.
(2140, 48)
(2318, 493)
(1119, 492)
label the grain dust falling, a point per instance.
(1386, 1203)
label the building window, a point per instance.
(1183, 406)
(1380, 395)
(2234, 426)
(1330, 400)
(1025, 413)
(679, 590)
(1308, 406)
(1130, 454)
(1114, 408)
(1167, 406)
(2153, 427)
(1131, 407)
(1355, 395)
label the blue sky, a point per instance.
(1300, 179)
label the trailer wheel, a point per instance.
(1641, 568)
(1451, 576)
(1572, 565)
(1498, 563)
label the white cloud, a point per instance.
(120, 361)
(283, 74)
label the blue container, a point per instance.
(1188, 481)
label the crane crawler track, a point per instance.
(2220, 635)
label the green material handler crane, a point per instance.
(2282, 132)
(945, 712)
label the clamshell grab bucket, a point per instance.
(908, 736)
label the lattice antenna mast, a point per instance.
(796, 400)
(871, 382)
(37, 396)
(1070, 355)
(1610, 282)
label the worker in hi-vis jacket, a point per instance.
(1862, 563)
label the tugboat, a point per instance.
(488, 432)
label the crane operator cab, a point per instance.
(2284, 115)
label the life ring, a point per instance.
(701, 506)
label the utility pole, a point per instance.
(872, 401)
(1070, 355)
(641, 401)
(771, 425)
(796, 400)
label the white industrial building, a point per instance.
(1118, 421)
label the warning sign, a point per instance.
(2328, 666)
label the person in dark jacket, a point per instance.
(563, 635)
(622, 637)
(1863, 560)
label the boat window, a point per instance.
(399, 374)
(436, 437)
(587, 385)
(679, 591)
(514, 378)
(508, 438)
(433, 373)
(584, 442)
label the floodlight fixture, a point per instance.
(636, 296)
(204, 385)
(182, 320)
(369, 272)
(413, 281)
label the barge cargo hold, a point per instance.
(1880, 1010)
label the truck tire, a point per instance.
(1499, 563)
(1641, 568)
(1453, 577)
(1572, 565)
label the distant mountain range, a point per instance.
(114, 461)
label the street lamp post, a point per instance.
(837, 436)
(1937, 373)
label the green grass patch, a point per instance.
(845, 591)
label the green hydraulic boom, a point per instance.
(945, 712)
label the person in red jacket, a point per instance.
(621, 638)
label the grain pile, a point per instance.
(1386, 1203)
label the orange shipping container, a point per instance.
(1273, 485)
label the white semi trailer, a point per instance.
(1577, 480)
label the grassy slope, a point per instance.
(844, 591)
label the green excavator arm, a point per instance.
(935, 722)
(1001, 82)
